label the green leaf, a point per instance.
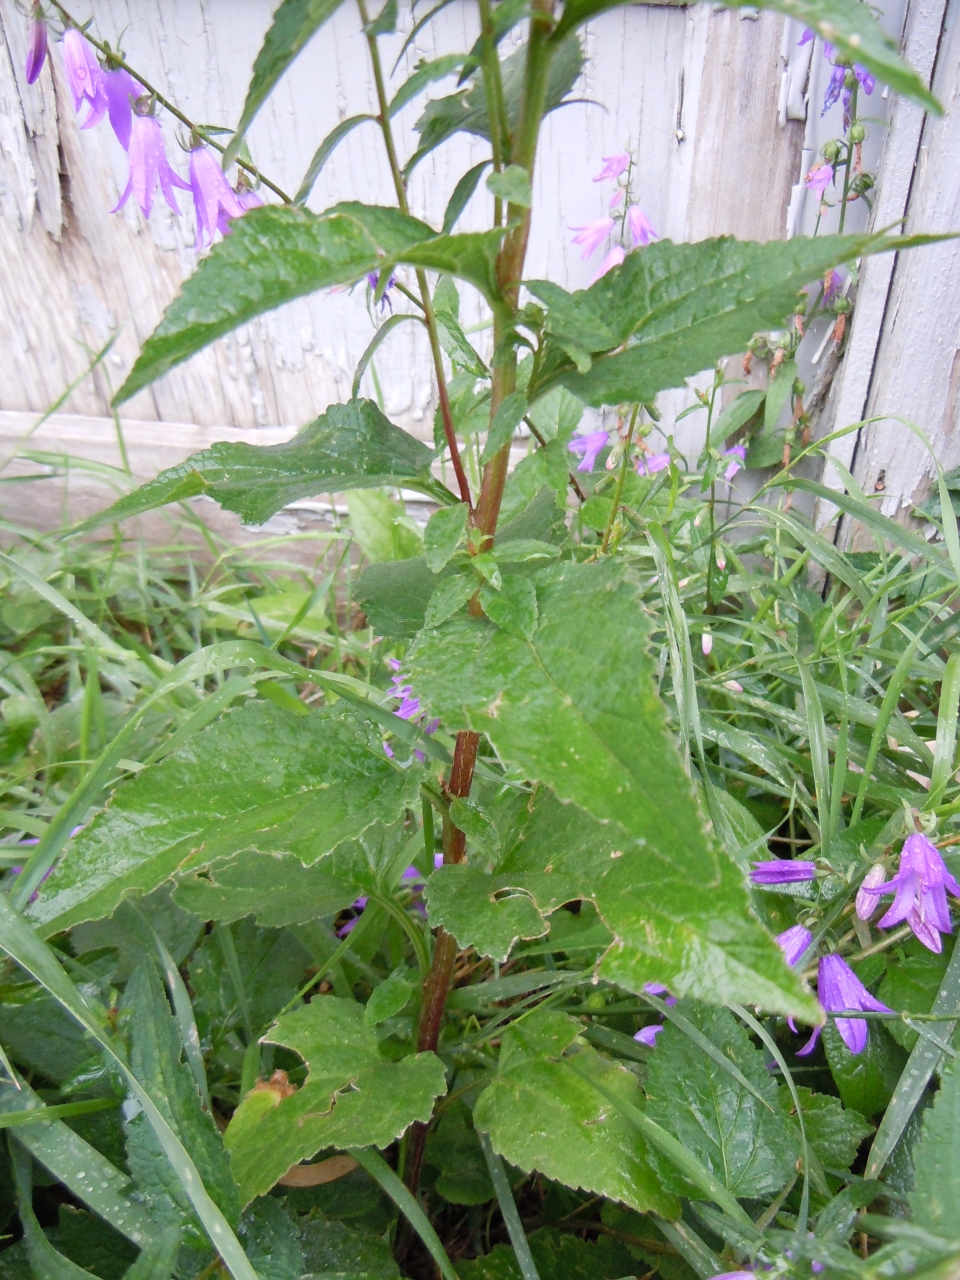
(471, 256)
(557, 415)
(352, 1096)
(325, 151)
(576, 707)
(294, 24)
(936, 1158)
(45, 1262)
(385, 23)
(847, 24)
(677, 308)
(426, 73)
(449, 597)
(380, 525)
(351, 446)
(487, 912)
(476, 824)
(272, 256)
(271, 1238)
(541, 1116)
(746, 1145)
(443, 534)
(462, 193)
(513, 607)
(865, 1081)
(260, 778)
(155, 1059)
(277, 889)
(733, 417)
(454, 1148)
(833, 1130)
(513, 185)
(911, 983)
(394, 596)
(456, 344)
(557, 1257)
(505, 422)
(387, 1000)
(332, 1249)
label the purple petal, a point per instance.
(591, 235)
(783, 871)
(588, 447)
(648, 1035)
(81, 67)
(794, 942)
(120, 87)
(907, 886)
(613, 259)
(640, 227)
(37, 49)
(853, 1033)
(811, 1044)
(648, 464)
(866, 901)
(211, 193)
(613, 166)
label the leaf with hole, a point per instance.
(487, 912)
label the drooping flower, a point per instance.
(867, 81)
(867, 902)
(833, 282)
(640, 227)
(613, 259)
(648, 464)
(794, 942)
(36, 49)
(920, 885)
(149, 166)
(248, 199)
(617, 198)
(658, 989)
(783, 871)
(839, 989)
(84, 77)
(735, 1275)
(738, 456)
(648, 1035)
(613, 166)
(592, 235)
(121, 90)
(819, 178)
(834, 89)
(588, 447)
(373, 280)
(805, 38)
(212, 193)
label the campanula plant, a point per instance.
(477, 944)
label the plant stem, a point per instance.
(618, 492)
(429, 314)
(496, 107)
(846, 167)
(117, 61)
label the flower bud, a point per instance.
(868, 903)
(841, 306)
(830, 151)
(706, 643)
(857, 132)
(849, 79)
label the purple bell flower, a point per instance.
(613, 259)
(613, 166)
(84, 77)
(834, 89)
(819, 178)
(648, 464)
(658, 989)
(588, 447)
(121, 91)
(640, 228)
(920, 885)
(839, 988)
(148, 166)
(794, 942)
(866, 900)
(738, 456)
(735, 1275)
(867, 81)
(373, 279)
(805, 38)
(247, 198)
(783, 871)
(648, 1035)
(592, 235)
(212, 195)
(36, 49)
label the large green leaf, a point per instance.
(272, 256)
(750, 1147)
(294, 24)
(558, 1257)
(672, 310)
(275, 888)
(487, 912)
(260, 778)
(542, 1116)
(936, 1160)
(353, 1096)
(833, 1130)
(351, 446)
(847, 24)
(576, 707)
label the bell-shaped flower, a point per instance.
(658, 989)
(613, 259)
(588, 447)
(121, 91)
(212, 194)
(616, 200)
(839, 989)
(613, 166)
(867, 81)
(84, 77)
(866, 900)
(36, 49)
(591, 235)
(794, 943)
(738, 456)
(648, 1035)
(148, 167)
(373, 280)
(640, 227)
(819, 178)
(248, 199)
(834, 88)
(648, 464)
(920, 885)
(783, 871)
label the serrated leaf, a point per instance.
(381, 527)
(847, 24)
(505, 422)
(541, 1116)
(449, 597)
(387, 1000)
(746, 1145)
(513, 185)
(865, 1081)
(271, 1239)
(277, 889)
(563, 1257)
(351, 446)
(833, 1130)
(487, 912)
(325, 151)
(735, 415)
(456, 344)
(672, 310)
(352, 1097)
(294, 24)
(936, 1160)
(454, 1148)
(259, 778)
(271, 256)
(476, 824)
(576, 707)
(513, 607)
(443, 534)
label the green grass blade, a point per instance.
(887, 708)
(508, 1207)
(819, 756)
(945, 747)
(690, 1247)
(43, 1115)
(373, 1162)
